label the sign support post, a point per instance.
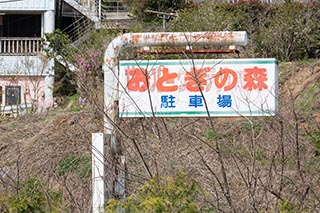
(111, 80)
(98, 192)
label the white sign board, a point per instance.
(185, 88)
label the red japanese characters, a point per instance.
(194, 80)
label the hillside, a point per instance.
(270, 162)
(36, 145)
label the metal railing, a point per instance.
(79, 30)
(101, 8)
(113, 6)
(20, 46)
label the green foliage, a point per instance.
(161, 194)
(288, 207)
(87, 58)
(285, 31)
(57, 43)
(314, 137)
(209, 134)
(71, 103)
(138, 7)
(64, 81)
(288, 31)
(33, 196)
(261, 156)
(80, 165)
(209, 17)
(248, 126)
(309, 96)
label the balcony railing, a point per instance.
(20, 46)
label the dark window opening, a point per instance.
(1, 92)
(1, 25)
(13, 95)
(21, 26)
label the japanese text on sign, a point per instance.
(228, 87)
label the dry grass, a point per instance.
(270, 163)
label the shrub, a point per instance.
(161, 194)
(33, 196)
(289, 31)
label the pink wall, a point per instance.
(32, 88)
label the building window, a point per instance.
(13, 95)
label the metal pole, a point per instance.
(99, 11)
(165, 17)
(164, 22)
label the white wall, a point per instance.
(23, 65)
(27, 5)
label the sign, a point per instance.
(185, 88)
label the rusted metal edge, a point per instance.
(216, 51)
